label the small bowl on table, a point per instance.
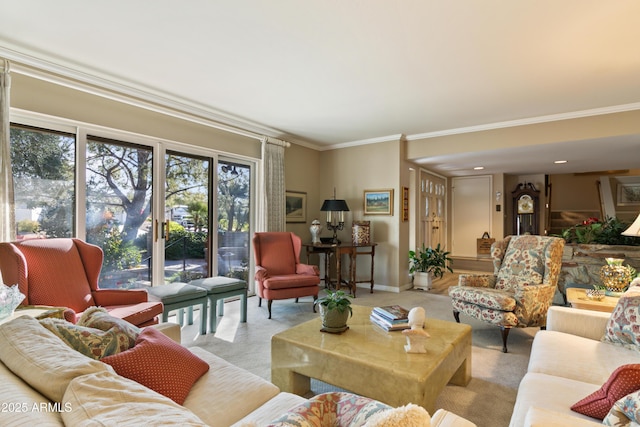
(595, 294)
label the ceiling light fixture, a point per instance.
(560, 162)
(478, 168)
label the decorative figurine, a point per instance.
(416, 336)
(315, 230)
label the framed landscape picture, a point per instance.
(628, 194)
(296, 206)
(378, 202)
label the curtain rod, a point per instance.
(276, 141)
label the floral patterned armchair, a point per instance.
(519, 293)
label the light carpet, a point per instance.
(487, 401)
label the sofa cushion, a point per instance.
(270, 410)
(624, 324)
(107, 399)
(91, 342)
(41, 359)
(624, 380)
(100, 318)
(223, 384)
(578, 363)
(18, 401)
(552, 393)
(161, 364)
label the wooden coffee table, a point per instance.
(577, 297)
(371, 362)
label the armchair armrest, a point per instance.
(535, 301)
(309, 270)
(477, 280)
(583, 323)
(108, 297)
(261, 273)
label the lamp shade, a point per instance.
(634, 229)
(334, 205)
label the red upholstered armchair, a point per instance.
(279, 274)
(64, 273)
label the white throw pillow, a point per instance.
(107, 399)
(42, 359)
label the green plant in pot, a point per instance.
(335, 309)
(427, 263)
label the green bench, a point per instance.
(218, 289)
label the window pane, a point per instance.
(119, 189)
(43, 164)
(187, 211)
(233, 219)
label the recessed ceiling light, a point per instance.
(478, 168)
(559, 162)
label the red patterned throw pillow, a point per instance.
(159, 363)
(624, 380)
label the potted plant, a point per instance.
(335, 309)
(427, 263)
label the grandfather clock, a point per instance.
(526, 206)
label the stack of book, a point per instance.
(390, 317)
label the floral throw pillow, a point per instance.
(624, 411)
(623, 327)
(329, 409)
(91, 342)
(99, 318)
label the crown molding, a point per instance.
(529, 121)
(132, 94)
(378, 140)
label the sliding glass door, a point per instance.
(119, 189)
(234, 214)
(160, 213)
(187, 221)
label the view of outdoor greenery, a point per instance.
(119, 195)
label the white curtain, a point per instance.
(7, 211)
(274, 216)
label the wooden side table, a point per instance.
(337, 250)
(577, 297)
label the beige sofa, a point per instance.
(568, 362)
(46, 383)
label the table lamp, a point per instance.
(335, 210)
(634, 229)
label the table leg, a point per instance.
(352, 271)
(373, 255)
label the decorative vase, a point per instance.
(360, 234)
(615, 276)
(315, 230)
(333, 320)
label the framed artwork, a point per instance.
(296, 206)
(405, 204)
(628, 194)
(378, 202)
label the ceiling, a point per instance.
(329, 73)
